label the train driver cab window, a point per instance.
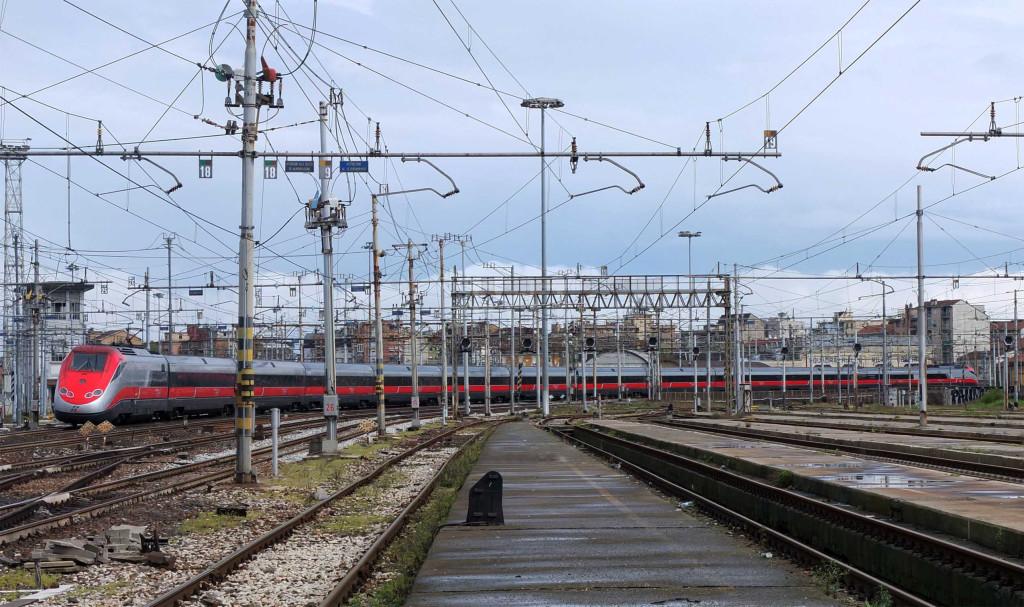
(88, 361)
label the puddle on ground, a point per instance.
(1001, 494)
(833, 465)
(734, 445)
(880, 481)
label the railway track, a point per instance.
(97, 508)
(949, 463)
(59, 437)
(10, 514)
(67, 437)
(16, 473)
(222, 568)
(30, 470)
(967, 433)
(874, 555)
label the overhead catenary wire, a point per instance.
(782, 128)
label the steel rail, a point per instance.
(13, 534)
(1004, 573)
(804, 551)
(229, 563)
(967, 435)
(146, 429)
(360, 572)
(26, 508)
(934, 461)
(60, 464)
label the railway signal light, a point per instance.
(589, 344)
(652, 343)
(466, 345)
(696, 350)
(526, 345)
(1008, 340)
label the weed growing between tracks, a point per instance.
(107, 590)
(23, 579)
(399, 564)
(207, 522)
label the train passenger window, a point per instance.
(88, 361)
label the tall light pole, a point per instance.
(170, 306)
(414, 400)
(886, 289)
(922, 318)
(689, 236)
(543, 104)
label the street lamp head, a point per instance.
(689, 234)
(542, 103)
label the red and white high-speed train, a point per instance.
(99, 383)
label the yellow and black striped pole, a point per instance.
(245, 408)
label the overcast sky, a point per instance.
(653, 71)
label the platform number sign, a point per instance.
(325, 168)
(206, 168)
(270, 169)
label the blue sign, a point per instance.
(353, 166)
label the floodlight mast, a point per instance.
(543, 104)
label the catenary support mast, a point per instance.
(245, 410)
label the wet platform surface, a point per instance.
(1013, 452)
(1008, 431)
(905, 414)
(995, 502)
(578, 532)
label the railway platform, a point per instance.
(580, 532)
(988, 513)
(1008, 453)
(949, 428)
(988, 420)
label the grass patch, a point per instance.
(784, 479)
(830, 577)
(389, 480)
(352, 523)
(25, 579)
(307, 475)
(402, 559)
(208, 522)
(882, 599)
(103, 590)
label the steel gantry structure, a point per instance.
(575, 293)
(657, 292)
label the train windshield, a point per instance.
(88, 361)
